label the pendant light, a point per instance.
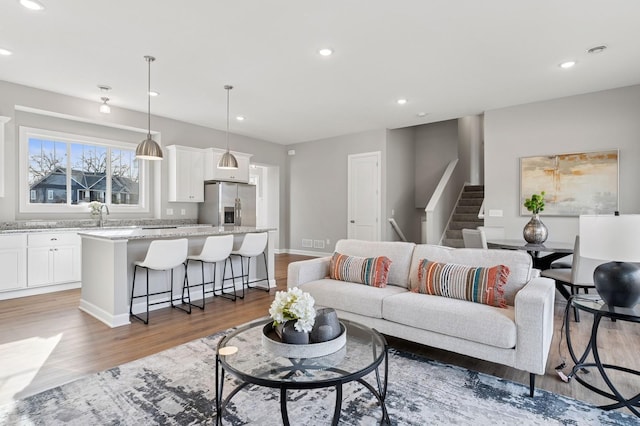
(228, 161)
(149, 149)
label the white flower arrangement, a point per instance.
(293, 305)
(95, 207)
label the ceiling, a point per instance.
(447, 58)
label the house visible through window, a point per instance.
(70, 170)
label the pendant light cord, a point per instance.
(228, 89)
(149, 59)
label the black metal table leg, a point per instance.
(283, 406)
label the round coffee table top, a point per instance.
(364, 351)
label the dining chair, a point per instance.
(578, 276)
(474, 238)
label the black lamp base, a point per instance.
(618, 283)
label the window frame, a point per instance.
(70, 138)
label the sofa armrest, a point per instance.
(305, 271)
(534, 306)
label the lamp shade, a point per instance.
(148, 149)
(610, 237)
(228, 161)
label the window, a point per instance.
(63, 172)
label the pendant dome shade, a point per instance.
(149, 149)
(228, 160)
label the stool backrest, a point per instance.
(253, 244)
(217, 248)
(166, 254)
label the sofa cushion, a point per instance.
(350, 297)
(472, 283)
(458, 318)
(518, 262)
(398, 252)
(373, 271)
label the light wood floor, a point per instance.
(47, 341)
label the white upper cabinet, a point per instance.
(186, 174)
(212, 172)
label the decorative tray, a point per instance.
(272, 343)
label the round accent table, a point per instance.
(242, 355)
(594, 305)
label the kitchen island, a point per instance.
(108, 257)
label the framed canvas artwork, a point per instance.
(574, 184)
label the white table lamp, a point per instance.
(615, 238)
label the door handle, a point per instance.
(352, 221)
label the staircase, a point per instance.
(465, 215)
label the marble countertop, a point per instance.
(140, 233)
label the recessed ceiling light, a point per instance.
(240, 118)
(421, 114)
(597, 49)
(401, 101)
(153, 93)
(5, 52)
(325, 51)
(32, 4)
(567, 64)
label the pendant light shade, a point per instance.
(149, 149)
(228, 160)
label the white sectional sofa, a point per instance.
(518, 336)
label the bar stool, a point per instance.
(162, 255)
(252, 246)
(215, 249)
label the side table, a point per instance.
(594, 305)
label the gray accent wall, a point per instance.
(436, 147)
(400, 177)
(590, 122)
(105, 125)
(318, 187)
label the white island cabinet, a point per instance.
(108, 258)
(13, 262)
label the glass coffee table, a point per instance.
(242, 355)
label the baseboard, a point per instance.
(32, 291)
(305, 253)
(104, 316)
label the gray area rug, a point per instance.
(177, 387)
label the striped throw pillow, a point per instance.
(472, 283)
(373, 271)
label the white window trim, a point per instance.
(24, 194)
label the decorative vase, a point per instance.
(535, 232)
(289, 334)
(326, 326)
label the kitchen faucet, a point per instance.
(102, 220)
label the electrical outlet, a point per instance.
(328, 241)
(307, 243)
(169, 212)
(318, 244)
(183, 211)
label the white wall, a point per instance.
(590, 122)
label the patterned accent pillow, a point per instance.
(472, 283)
(373, 271)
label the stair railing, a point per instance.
(442, 203)
(396, 228)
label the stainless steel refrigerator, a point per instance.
(228, 204)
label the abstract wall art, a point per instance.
(574, 184)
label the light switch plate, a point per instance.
(495, 213)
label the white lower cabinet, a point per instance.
(53, 258)
(13, 262)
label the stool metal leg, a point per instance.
(232, 295)
(185, 281)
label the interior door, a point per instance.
(364, 208)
